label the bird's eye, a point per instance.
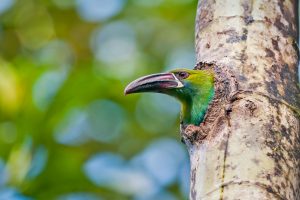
(182, 75)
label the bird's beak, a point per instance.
(154, 83)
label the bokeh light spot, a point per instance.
(38, 162)
(106, 120)
(102, 120)
(98, 10)
(10, 193)
(56, 54)
(10, 88)
(114, 42)
(46, 88)
(110, 170)
(19, 162)
(72, 130)
(79, 196)
(115, 46)
(3, 173)
(184, 178)
(5, 5)
(183, 57)
(162, 159)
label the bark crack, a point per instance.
(224, 166)
(235, 97)
(247, 183)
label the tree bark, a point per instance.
(252, 148)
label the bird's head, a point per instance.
(183, 84)
(193, 88)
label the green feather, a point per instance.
(195, 96)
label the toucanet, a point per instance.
(193, 88)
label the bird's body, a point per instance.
(193, 88)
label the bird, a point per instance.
(193, 88)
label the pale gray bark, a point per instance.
(252, 148)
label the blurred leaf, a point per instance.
(19, 162)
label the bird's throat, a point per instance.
(194, 109)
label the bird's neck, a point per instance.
(193, 110)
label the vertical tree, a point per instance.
(252, 147)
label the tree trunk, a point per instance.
(252, 148)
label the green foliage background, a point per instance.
(62, 76)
